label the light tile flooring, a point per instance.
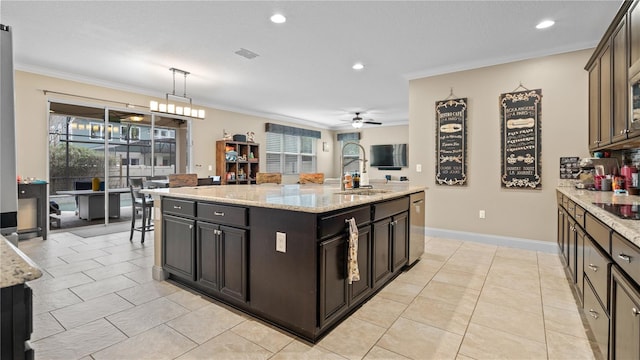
(463, 300)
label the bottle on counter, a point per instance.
(347, 181)
(356, 180)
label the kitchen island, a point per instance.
(279, 252)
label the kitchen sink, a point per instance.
(362, 192)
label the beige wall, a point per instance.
(526, 214)
(376, 135)
(32, 124)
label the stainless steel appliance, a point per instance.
(416, 218)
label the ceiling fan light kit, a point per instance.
(171, 108)
(357, 122)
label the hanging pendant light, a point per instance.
(168, 107)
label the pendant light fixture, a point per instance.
(168, 107)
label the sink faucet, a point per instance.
(342, 164)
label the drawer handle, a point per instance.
(579, 216)
(635, 311)
(593, 267)
(625, 257)
(218, 213)
(593, 314)
(177, 207)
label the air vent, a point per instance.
(247, 53)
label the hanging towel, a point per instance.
(352, 266)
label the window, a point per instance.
(97, 131)
(290, 154)
(350, 157)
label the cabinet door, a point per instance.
(605, 97)
(361, 288)
(381, 251)
(333, 279)
(580, 240)
(208, 259)
(620, 83)
(178, 238)
(561, 227)
(400, 229)
(571, 249)
(625, 317)
(594, 105)
(634, 32)
(233, 262)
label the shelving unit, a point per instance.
(243, 169)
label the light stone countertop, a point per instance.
(15, 267)
(305, 198)
(630, 229)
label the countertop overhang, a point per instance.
(15, 267)
(630, 229)
(305, 198)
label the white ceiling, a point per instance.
(303, 73)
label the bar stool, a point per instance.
(140, 201)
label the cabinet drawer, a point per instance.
(223, 214)
(388, 208)
(596, 267)
(626, 255)
(597, 318)
(336, 223)
(598, 232)
(571, 208)
(579, 215)
(565, 202)
(179, 207)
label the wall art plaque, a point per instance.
(451, 142)
(520, 132)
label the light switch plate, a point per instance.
(419, 168)
(281, 242)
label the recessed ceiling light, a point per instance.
(545, 24)
(357, 66)
(278, 18)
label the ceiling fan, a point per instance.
(357, 121)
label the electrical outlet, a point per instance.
(419, 168)
(210, 167)
(281, 242)
(482, 214)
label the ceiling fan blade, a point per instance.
(372, 122)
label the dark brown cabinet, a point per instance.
(625, 317)
(336, 294)
(619, 69)
(400, 232)
(381, 252)
(594, 105)
(179, 244)
(618, 53)
(16, 322)
(221, 259)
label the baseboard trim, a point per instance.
(518, 243)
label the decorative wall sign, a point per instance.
(520, 132)
(569, 167)
(451, 140)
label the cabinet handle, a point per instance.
(177, 207)
(622, 132)
(217, 232)
(635, 311)
(593, 267)
(579, 216)
(594, 313)
(560, 213)
(190, 226)
(22, 191)
(624, 257)
(218, 213)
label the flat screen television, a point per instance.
(390, 155)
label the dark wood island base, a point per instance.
(285, 267)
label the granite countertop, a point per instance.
(15, 267)
(630, 229)
(306, 198)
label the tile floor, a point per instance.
(463, 300)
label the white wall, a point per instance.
(526, 214)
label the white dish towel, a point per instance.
(352, 266)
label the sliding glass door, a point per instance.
(111, 145)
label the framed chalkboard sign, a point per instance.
(520, 132)
(451, 141)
